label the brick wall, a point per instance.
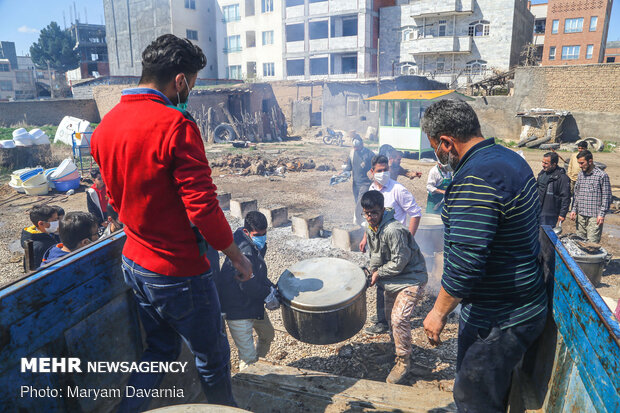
(47, 112)
(591, 88)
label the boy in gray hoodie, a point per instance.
(397, 265)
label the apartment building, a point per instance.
(540, 25)
(250, 39)
(453, 41)
(15, 82)
(132, 24)
(612, 52)
(576, 32)
(331, 38)
(90, 44)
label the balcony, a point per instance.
(434, 8)
(444, 44)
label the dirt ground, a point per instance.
(309, 192)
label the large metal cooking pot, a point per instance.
(429, 235)
(323, 300)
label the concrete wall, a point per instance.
(47, 112)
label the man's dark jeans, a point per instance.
(175, 308)
(548, 220)
(485, 361)
(381, 305)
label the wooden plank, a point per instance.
(576, 396)
(310, 391)
(560, 379)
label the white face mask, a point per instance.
(382, 178)
(53, 227)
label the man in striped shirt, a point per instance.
(491, 243)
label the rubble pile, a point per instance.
(259, 165)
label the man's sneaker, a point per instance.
(373, 319)
(400, 370)
(377, 328)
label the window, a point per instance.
(442, 27)
(250, 39)
(479, 28)
(269, 69)
(319, 66)
(295, 67)
(295, 32)
(94, 57)
(408, 35)
(353, 103)
(573, 25)
(610, 59)
(415, 111)
(570, 52)
(349, 26)
(190, 4)
(349, 64)
(441, 64)
(555, 26)
(552, 53)
(6, 85)
(268, 37)
(191, 34)
(400, 113)
(22, 77)
(386, 114)
(539, 26)
(266, 6)
(589, 51)
(476, 67)
(249, 8)
(231, 13)
(4, 67)
(233, 72)
(233, 44)
(593, 23)
(318, 30)
(372, 106)
(293, 3)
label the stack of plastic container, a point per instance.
(39, 137)
(21, 137)
(34, 182)
(66, 176)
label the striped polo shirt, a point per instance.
(491, 238)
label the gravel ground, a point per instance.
(362, 356)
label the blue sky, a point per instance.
(21, 20)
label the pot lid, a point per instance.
(321, 284)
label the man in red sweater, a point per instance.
(153, 162)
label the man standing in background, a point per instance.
(553, 191)
(359, 163)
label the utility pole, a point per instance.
(378, 65)
(49, 74)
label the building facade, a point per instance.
(90, 44)
(16, 81)
(576, 32)
(612, 52)
(453, 41)
(540, 26)
(249, 39)
(131, 25)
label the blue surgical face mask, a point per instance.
(183, 106)
(260, 241)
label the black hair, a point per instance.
(587, 155)
(451, 118)
(372, 199)
(59, 210)
(386, 149)
(379, 159)
(553, 157)
(169, 55)
(582, 144)
(255, 221)
(75, 227)
(41, 213)
(111, 212)
(95, 173)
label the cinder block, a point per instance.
(277, 216)
(239, 208)
(347, 238)
(224, 200)
(307, 226)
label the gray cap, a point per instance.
(357, 143)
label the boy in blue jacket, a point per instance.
(76, 229)
(244, 302)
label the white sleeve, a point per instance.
(407, 202)
(433, 179)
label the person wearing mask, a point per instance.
(397, 265)
(157, 176)
(404, 207)
(439, 178)
(97, 199)
(244, 303)
(573, 165)
(592, 199)
(553, 191)
(491, 236)
(359, 163)
(395, 157)
(44, 220)
(76, 229)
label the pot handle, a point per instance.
(368, 276)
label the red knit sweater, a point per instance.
(157, 176)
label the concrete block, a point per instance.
(224, 200)
(239, 208)
(307, 226)
(277, 216)
(347, 238)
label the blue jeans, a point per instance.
(175, 308)
(485, 361)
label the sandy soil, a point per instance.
(309, 192)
